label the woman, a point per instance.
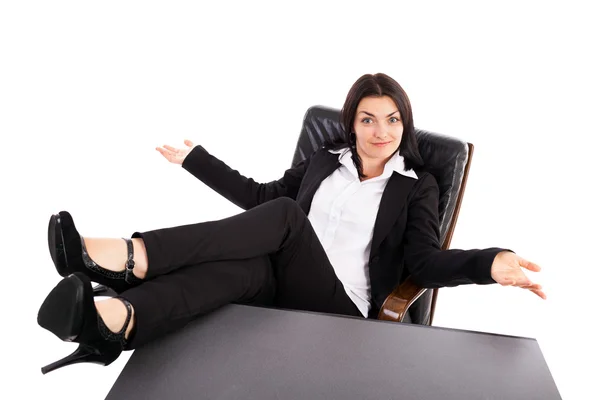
(331, 236)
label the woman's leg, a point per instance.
(243, 259)
(271, 228)
(278, 228)
(168, 302)
(111, 254)
(268, 228)
(297, 276)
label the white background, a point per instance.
(87, 90)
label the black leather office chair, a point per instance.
(446, 158)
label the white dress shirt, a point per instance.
(343, 213)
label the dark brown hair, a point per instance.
(379, 85)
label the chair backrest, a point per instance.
(446, 158)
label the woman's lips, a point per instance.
(381, 144)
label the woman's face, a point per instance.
(378, 129)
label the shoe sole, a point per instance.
(57, 241)
(56, 245)
(62, 311)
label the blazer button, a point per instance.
(375, 260)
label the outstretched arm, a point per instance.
(240, 190)
(432, 267)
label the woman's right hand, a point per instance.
(176, 156)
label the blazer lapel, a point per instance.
(393, 201)
(319, 169)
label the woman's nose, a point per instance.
(380, 131)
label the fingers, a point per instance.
(529, 265)
(166, 154)
(188, 143)
(525, 283)
(539, 293)
(163, 151)
(170, 148)
(520, 281)
(533, 286)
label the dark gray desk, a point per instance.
(242, 352)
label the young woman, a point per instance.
(336, 234)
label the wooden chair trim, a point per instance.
(396, 305)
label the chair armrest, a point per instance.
(397, 303)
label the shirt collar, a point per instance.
(394, 164)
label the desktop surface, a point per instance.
(244, 352)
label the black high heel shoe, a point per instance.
(67, 249)
(70, 313)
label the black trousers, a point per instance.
(268, 255)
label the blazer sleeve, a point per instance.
(429, 266)
(240, 190)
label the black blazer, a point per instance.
(406, 238)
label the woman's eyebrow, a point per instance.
(371, 115)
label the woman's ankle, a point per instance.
(140, 257)
(111, 254)
(114, 314)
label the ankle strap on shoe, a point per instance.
(119, 336)
(129, 264)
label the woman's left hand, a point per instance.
(176, 156)
(507, 271)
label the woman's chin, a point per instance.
(382, 151)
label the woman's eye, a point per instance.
(393, 120)
(366, 120)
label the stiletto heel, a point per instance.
(70, 313)
(69, 254)
(82, 354)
